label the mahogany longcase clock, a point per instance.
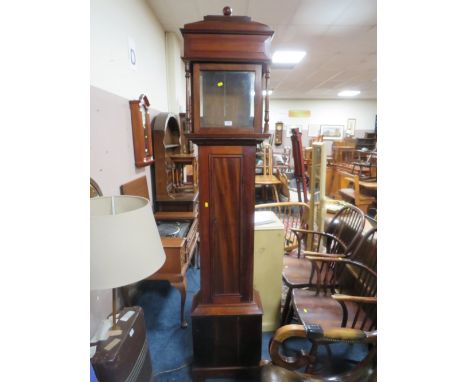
(227, 67)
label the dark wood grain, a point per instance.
(137, 187)
(141, 133)
(226, 313)
(226, 222)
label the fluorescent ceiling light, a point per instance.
(288, 56)
(349, 93)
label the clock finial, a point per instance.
(227, 11)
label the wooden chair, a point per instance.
(366, 250)
(346, 311)
(268, 178)
(281, 366)
(350, 190)
(366, 168)
(339, 239)
(292, 215)
(299, 168)
(284, 193)
(365, 253)
(349, 277)
(282, 160)
(348, 302)
(344, 151)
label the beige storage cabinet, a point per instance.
(268, 266)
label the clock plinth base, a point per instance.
(227, 339)
(200, 374)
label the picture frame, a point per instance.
(141, 131)
(351, 127)
(332, 132)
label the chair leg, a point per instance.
(198, 253)
(363, 207)
(276, 193)
(182, 288)
(286, 308)
(298, 188)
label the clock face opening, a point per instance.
(227, 99)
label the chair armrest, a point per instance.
(281, 335)
(361, 299)
(310, 254)
(296, 231)
(319, 336)
(344, 334)
(341, 260)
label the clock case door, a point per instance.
(235, 102)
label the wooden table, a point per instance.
(343, 153)
(370, 185)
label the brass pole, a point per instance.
(114, 309)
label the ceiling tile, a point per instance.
(321, 12)
(359, 13)
(339, 36)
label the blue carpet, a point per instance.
(170, 346)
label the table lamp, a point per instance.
(125, 243)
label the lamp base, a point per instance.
(114, 310)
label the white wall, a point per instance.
(113, 84)
(113, 22)
(175, 74)
(323, 112)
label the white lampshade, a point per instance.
(125, 242)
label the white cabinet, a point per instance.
(268, 266)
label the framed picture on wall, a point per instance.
(332, 132)
(351, 127)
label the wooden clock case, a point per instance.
(227, 65)
(279, 133)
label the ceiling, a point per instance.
(339, 36)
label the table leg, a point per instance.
(182, 287)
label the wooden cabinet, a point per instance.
(268, 267)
